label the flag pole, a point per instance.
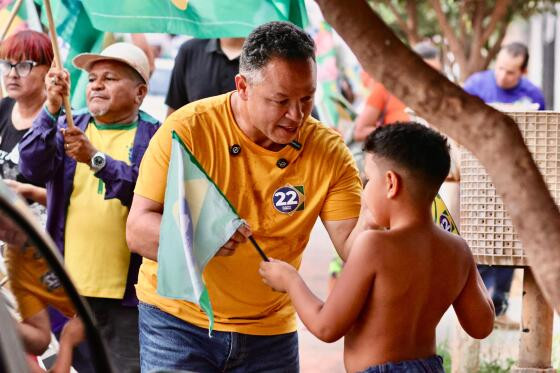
(52, 33)
(261, 252)
(11, 18)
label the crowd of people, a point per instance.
(243, 108)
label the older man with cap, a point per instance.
(90, 172)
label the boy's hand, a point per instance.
(277, 274)
(73, 331)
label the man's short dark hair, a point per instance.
(416, 149)
(274, 40)
(517, 49)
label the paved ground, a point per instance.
(317, 356)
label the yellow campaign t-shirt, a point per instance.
(34, 284)
(281, 206)
(95, 249)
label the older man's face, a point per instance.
(112, 92)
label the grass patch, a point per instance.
(496, 366)
(442, 351)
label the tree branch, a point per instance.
(462, 26)
(493, 51)
(412, 21)
(449, 34)
(476, 45)
(398, 16)
(499, 12)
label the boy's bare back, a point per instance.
(416, 273)
(396, 283)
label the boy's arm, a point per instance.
(72, 334)
(474, 307)
(35, 332)
(331, 320)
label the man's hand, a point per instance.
(277, 274)
(77, 145)
(238, 237)
(57, 83)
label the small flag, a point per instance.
(197, 220)
(442, 216)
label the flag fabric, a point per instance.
(197, 220)
(442, 216)
(198, 18)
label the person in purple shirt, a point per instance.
(506, 83)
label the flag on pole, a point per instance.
(197, 220)
(198, 18)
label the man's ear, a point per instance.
(241, 84)
(392, 184)
(141, 92)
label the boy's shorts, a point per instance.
(433, 364)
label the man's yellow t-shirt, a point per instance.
(281, 206)
(95, 249)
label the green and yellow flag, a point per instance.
(198, 18)
(197, 221)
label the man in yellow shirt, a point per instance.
(281, 170)
(90, 171)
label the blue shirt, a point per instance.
(483, 84)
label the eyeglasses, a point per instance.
(23, 68)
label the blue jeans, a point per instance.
(433, 364)
(498, 282)
(167, 342)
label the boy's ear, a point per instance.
(392, 184)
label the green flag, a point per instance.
(197, 220)
(198, 18)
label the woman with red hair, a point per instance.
(25, 58)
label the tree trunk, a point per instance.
(490, 135)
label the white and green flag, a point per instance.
(197, 220)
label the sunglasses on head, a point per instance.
(23, 68)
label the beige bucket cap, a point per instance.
(126, 53)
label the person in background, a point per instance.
(381, 109)
(25, 59)
(203, 68)
(507, 84)
(90, 172)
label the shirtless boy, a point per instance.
(398, 281)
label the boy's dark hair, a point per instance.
(418, 149)
(274, 39)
